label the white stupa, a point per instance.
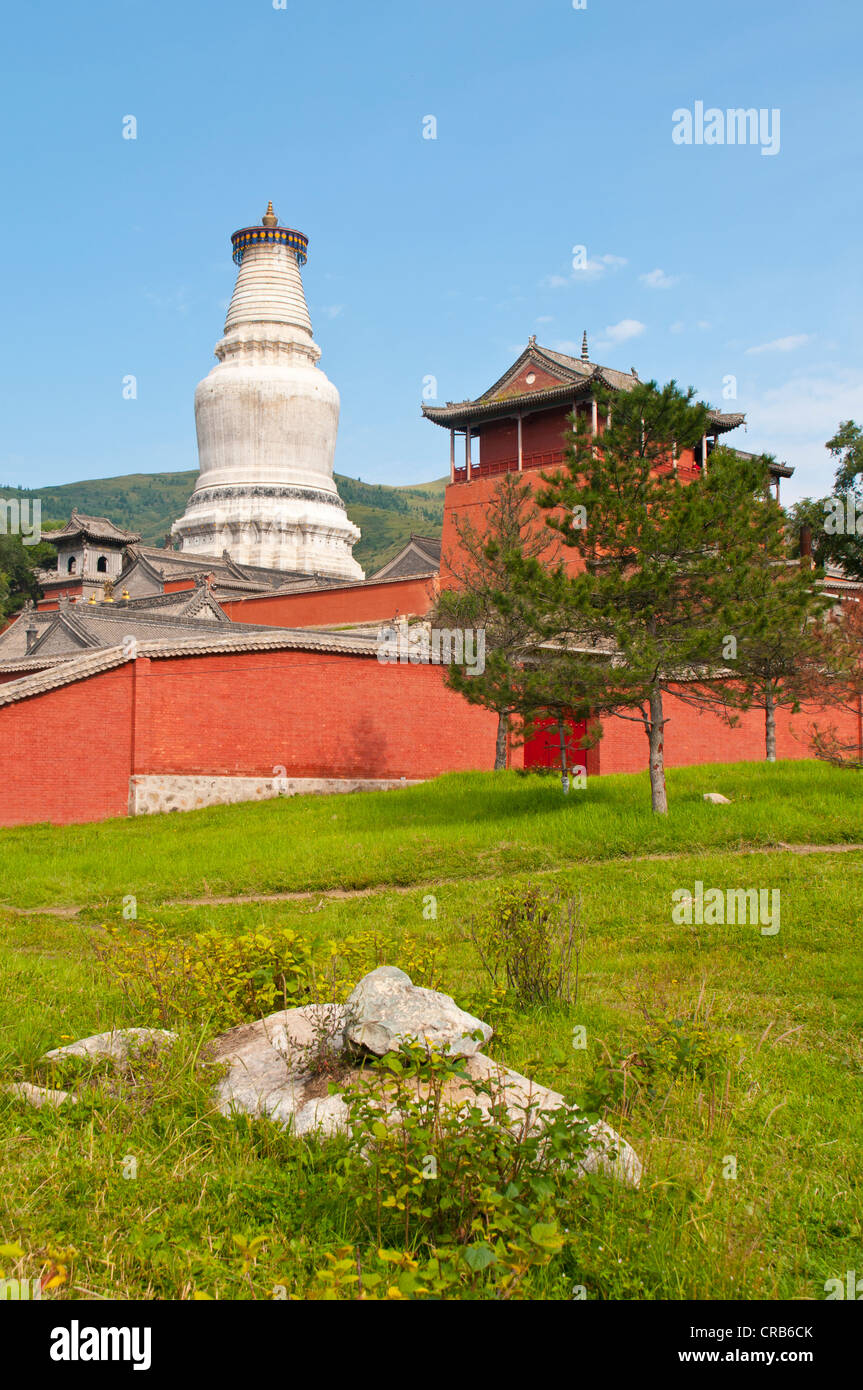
(267, 418)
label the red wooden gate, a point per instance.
(542, 749)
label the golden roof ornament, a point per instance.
(269, 218)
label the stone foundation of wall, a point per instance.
(151, 795)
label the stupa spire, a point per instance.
(267, 418)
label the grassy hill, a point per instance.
(149, 502)
(701, 1042)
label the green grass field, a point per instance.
(778, 1017)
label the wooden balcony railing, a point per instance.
(551, 458)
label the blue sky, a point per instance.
(427, 257)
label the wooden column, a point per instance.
(520, 450)
(594, 419)
(452, 456)
(704, 453)
(467, 453)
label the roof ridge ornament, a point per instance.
(584, 353)
(269, 218)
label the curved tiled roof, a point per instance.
(251, 640)
(419, 556)
(97, 528)
(576, 378)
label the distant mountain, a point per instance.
(149, 502)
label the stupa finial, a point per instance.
(269, 218)
(584, 356)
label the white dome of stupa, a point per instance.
(267, 419)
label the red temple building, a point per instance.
(194, 680)
(521, 422)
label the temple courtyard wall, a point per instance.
(185, 731)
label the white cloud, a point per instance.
(591, 270)
(658, 280)
(545, 318)
(795, 340)
(621, 332)
(677, 327)
(794, 420)
(331, 311)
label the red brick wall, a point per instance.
(470, 502)
(354, 604)
(702, 737)
(316, 715)
(67, 753)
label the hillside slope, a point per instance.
(149, 502)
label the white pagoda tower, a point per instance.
(267, 418)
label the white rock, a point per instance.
(716, 798)
(322, 1118)
(268, 1067)
(268, 1061)
(386, 1009)
(40, 1095)
(607, 1151)
(118, 1044)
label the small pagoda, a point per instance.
(90, 556)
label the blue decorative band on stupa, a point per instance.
(259, 236)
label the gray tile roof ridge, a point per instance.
(94, 663)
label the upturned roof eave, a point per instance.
(466, 411)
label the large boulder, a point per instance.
(386, 1010)
(39, 1095)
(281, 1065)
(117, 1045)
(269, 1066)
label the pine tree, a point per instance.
(840, 684)
(482, 598)
(660, 557)
(836, 522)
(777, 645)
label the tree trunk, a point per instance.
(500, 747)
(770, 726)
(656, 737)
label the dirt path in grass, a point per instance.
(336, 894)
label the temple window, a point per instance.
(72, 565)
(102, 565)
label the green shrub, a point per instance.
(669, 1050)
(211, 978)
(529, 942)
(458, 1197)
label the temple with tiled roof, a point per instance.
(90, 553)
(240, 666)
(521, 422)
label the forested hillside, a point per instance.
(149, 502)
